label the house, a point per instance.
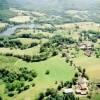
(68, 91)
(84, 92)
(82, 46)
(88, 53)
(86, 45)
(78, 91)
(82, 86)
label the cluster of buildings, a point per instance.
(81, 87)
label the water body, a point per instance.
(11, 29)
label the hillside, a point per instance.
(49, 49)
(85, 10)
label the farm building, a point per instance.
(82, 86)
(68, 91)
(85, 45)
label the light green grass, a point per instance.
(29, 51)
(92, 65)
(59, 70)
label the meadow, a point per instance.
(59, 71)
(20, 19)
(57, 66)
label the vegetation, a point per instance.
(53, 55)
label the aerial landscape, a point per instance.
(49, 49)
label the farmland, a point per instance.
(49, 50)
(29, 42)
(42, 81)
(20, 19)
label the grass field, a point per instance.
(94, 97)
(92, 65)
(30, 51)
(26, 41)
(2, 26)
(20, 19)
(82, 26)
(59, 70)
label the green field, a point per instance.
(92, 65)
(59, 70)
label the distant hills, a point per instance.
(81, 9)
(58, 5)
(4, 4)
(52, 5)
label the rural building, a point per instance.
(82, 86)
(68, 91)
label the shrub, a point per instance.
(26, 87)
(1, 98)
(10, 94)
(47, 72)
(34, 74)
(54, 53)
(20, 90)
(59, 87)
(41, 96)
(76, 74)
(33, 84)
(30, 78)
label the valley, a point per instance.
(51, 54)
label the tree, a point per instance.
(59, 87)
(41, 96)
(47, 72)
(10, 87)
(54, 53)
(1, 98)
(71, 62)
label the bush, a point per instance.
(26, 87)
(51, 92)
(1, 98)
(59, 87)
(47, 72)
(30, 78)
(33, 84)
(34, 74)
(10, 94)
(41, 96)
(66, 83)
(20, 90)
(54, 53)
(76, 74)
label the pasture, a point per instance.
(20, 19)
(91, 64)
(59, 71)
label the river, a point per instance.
(11, 29)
